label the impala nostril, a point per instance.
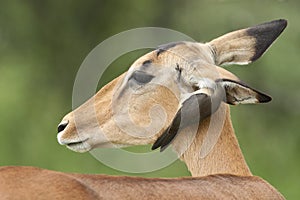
(62, 126)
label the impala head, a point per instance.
(145, 103)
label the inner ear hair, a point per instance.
(238, 92)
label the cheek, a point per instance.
(159, 103)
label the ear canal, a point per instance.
(240, 93)
(246, 45)
(188, 114)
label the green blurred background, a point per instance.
(43, 43)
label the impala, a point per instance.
(177, 94)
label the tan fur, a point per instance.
(133, 114)
(231, 50)
(225, 157)
(29, 183)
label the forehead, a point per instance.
(187, 55)
(176, 52)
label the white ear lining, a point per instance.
(239, 93)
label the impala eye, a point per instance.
(141, 77)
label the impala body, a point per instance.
(22, 183)
(177, 94)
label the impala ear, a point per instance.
(240, 93)
(246, 45)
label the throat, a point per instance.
(224, 156)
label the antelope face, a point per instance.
(146, 103)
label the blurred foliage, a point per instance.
(42, 44)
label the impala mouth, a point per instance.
(79, 146)
(76, 143)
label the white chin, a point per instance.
(80, 147)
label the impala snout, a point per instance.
(90, 125)
(68, 135)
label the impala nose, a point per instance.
(62, 126)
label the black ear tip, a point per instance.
(157, 145)
(284, 22)
(154, 146)
(263, 98)
(265, 34)
(281, 24)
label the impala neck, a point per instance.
(224, 158)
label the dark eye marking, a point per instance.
(141, 77)
(146, 63)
